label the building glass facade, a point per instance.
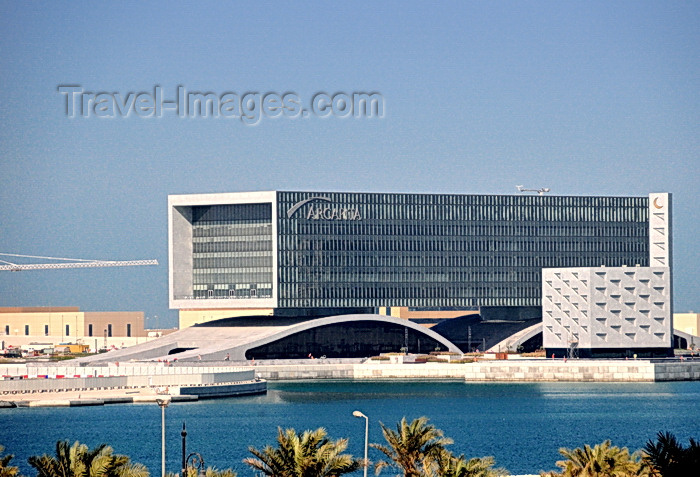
(370, 250)
(346, 340)
(317, 250)
(232, 251)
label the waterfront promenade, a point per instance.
(29, 386)
(94, 397)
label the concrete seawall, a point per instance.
(277, 372)
(535, 370)
(678, 371)
(572, 370)
(225, 390)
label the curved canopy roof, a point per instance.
(224, 337)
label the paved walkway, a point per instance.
(85, 398)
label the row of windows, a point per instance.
(351, 302)
(227, 247)
(257, 253)
(233, 294)
(230, 230)
(67, 331)
(491, 213)
(425, 290)
(463, 278)
(413, 274)
(234, 286)
(252, 213)
(380, 206)
(232, 262)
(448, 264)
(232, 238)
(199, 272)
(290, 198)
(417, 290)
(460, 230)
(231, 222)
(371, 245)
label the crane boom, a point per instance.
(97, 263)
(68, 263)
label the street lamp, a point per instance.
(184, 449)
(197, 463)
(359, 414)
(163, 402)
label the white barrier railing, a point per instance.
(49, 379)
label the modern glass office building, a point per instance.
(334, 251)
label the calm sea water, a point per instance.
(521, 425)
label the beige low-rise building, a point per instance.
(25, 326)
(687, 322)
(193, 317)
(427, 318)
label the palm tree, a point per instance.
(7, 470)
(669, 458)
(451, 466)
(415, 448)
(214, 472)
(310, 455)
(79, 461)
(602, 460)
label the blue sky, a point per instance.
(592, 98)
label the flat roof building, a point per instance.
(323, 253)
(688, 323)
(97, 329)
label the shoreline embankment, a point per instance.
(520, 370)
(52, 386)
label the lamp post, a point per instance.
(184, 450)
(359, 414)
(163, 402)
(197, 462)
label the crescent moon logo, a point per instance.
(656, 204)
(301, 203)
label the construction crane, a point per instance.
(539, 191)
(66, 263)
